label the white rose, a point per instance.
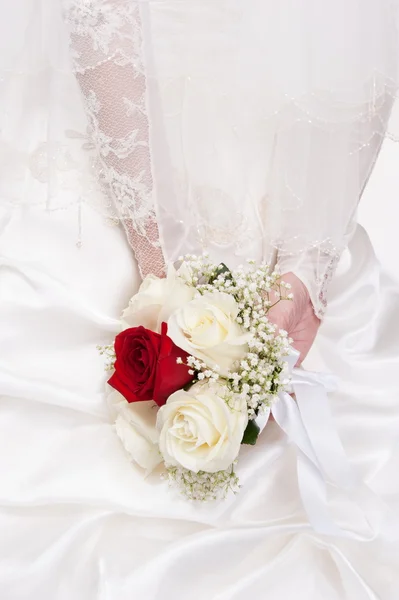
(156, 300)
(207, 328)
(199, 430)
(185, 272)
(135, 424)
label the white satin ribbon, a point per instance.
(321, 458)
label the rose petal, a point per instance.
(170, 376)
(199, 431)
(119, 385)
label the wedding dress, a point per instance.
(245, 129)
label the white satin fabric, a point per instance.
(77, 519)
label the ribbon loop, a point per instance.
(308, 423)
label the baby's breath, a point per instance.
(109, 354)
(204, 486)
(200, 370)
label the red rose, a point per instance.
(146, 367)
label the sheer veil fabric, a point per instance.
(243, 129)
(246, 129)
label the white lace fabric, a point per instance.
(106, 44)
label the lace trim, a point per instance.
(323, 284)
(316, 267)
(113, 28)
(107, 53)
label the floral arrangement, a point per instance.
(196, 363)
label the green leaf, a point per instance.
(277, 372)
(222, 268)
(251, 434)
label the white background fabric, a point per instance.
(379, 203)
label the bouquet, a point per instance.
(196, 364)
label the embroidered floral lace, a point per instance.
(107, 53)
